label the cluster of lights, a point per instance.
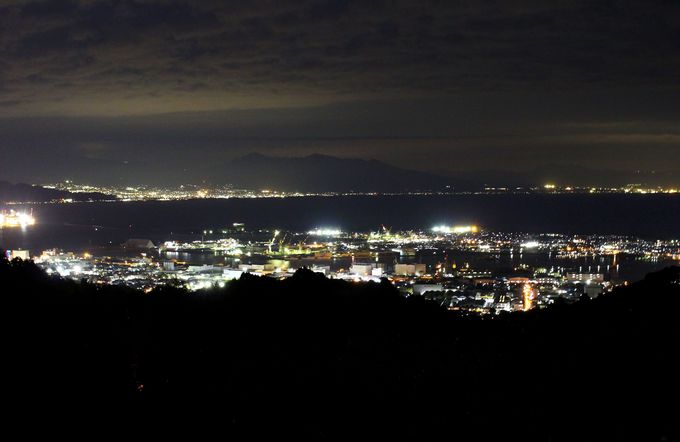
(16, 219)
(527, 297)
(455, 229)
(325, 232)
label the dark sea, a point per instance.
(102, 226)
(76, 226)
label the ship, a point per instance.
(13, 218)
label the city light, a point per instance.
(407, 258)
(16, 219)
(527, 296)
(455, 229)
(325, 232)
(193, 191)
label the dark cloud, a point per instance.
(479, 77)
(49, 8)
(334, 50)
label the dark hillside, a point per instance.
(320, 358)
(26, 193)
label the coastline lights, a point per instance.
(455, 229)
(325, 232)
(16, 219)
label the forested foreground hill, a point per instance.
(318, 358)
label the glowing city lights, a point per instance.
(527, 296)
(455, 229)
(325, 232)
(16, 219)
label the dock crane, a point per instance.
(271, 242)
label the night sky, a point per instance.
(132, 90)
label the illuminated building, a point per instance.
(362, 269)
(410, 269)
(527, 297)
(585, 277)
(21, 254)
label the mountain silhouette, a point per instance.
(323, 173)
(26, 193)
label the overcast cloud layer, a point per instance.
(89, 88)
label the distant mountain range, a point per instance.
(564, 175)
(322, 173)
(26, 193)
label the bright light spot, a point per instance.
(531, 244)
(527, 296)
(16, 219)
(325, 232)
(456, 229)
